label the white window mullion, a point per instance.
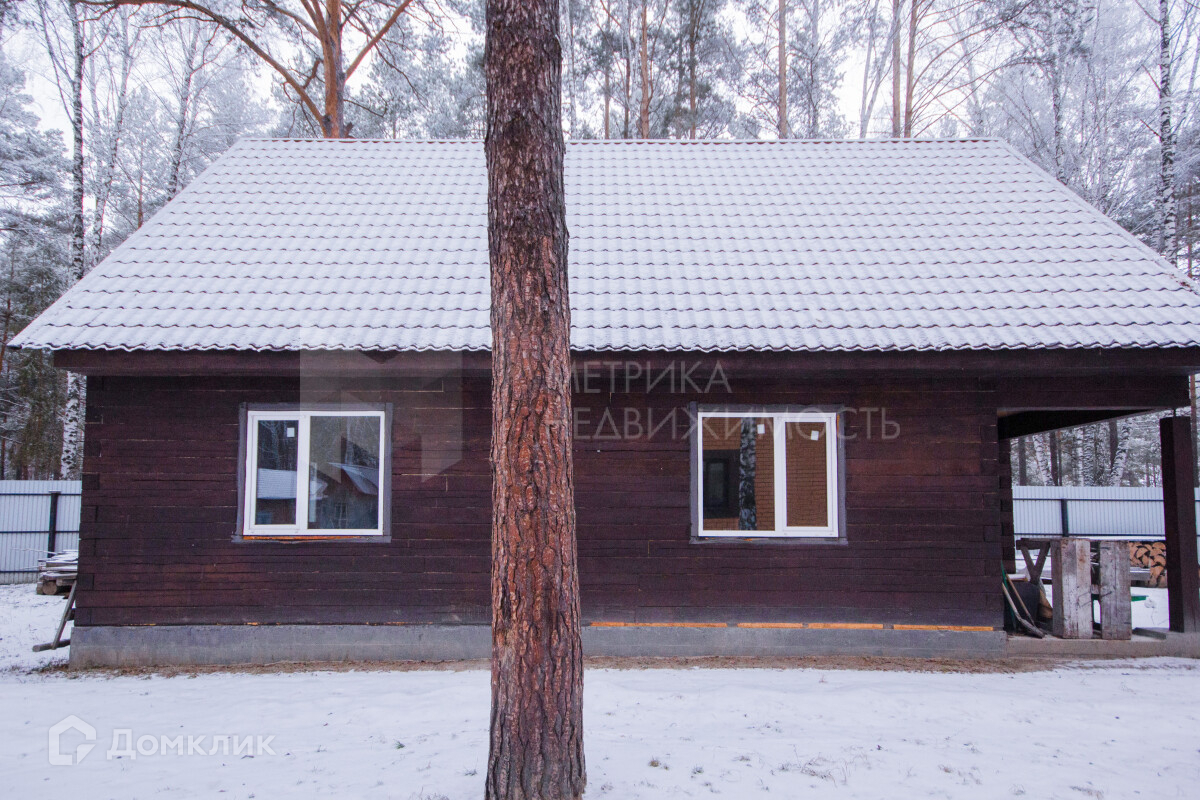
(302, 437)
(832, 490)
(779, 434)
(251, 501)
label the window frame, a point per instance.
(251, 415)
(780, 415)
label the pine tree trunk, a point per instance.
(910, 81)
(333, 124)
(693, 39)
(628, 47)
(644, 62)
(536, 744)
(781, 124)
(1166, 189)
(897, 129)
(70, 459)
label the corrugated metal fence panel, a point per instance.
(25, 524)
(1128, 512)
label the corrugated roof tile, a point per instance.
(718, 246)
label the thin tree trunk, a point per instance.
(108, 167)
(697, 14)
(1056, 472)
(814, 110)
(536, 742)
(910, 81)
(1191, 236)
(1056, 113)
(644, 63)
(70, 459)
(572, 77)
(781, 124)
(1120, 434)
(864, 113)
(897, 100)
(1166, 198)
(1022, 462)
(183, 115)
(607, 100)
(1041, 458)
(628, 45)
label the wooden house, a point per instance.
(797, 369)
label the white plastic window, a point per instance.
(767, 474)
(314, 473)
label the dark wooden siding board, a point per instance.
(922, 513)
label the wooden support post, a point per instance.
(1116, 621)
(1179, 514)
(1071, 570)
(1008, 551)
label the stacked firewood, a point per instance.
(57, 572)
(1151, 556)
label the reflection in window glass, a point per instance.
(275, 484)
(343, 487)
(807, 476)
(738, 455)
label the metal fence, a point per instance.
(1090, 511)
(36, 518)
(40, 517)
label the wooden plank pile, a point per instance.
(57, 573)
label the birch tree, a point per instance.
(1167, 244)
(71, 39)
(107, 76)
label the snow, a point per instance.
(26, 619)
(1101, 730)
(1148, 613)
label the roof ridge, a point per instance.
(679, 142)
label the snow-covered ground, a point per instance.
(1102, 730)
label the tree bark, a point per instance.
(1022, 463)
(781, 124)
(644, 62)
(193, 62)
(536, 743)
(910, 83)
(1166, 199)
(71, 455)
(897, 100)
(333, 123)
(695, 19)
(1056, 471)
(627, 42)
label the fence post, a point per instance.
(52, 533)
(1064, 517)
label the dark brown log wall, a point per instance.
(160, 507)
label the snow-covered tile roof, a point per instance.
(885, 245)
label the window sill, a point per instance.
(769, 540)
(303, 539)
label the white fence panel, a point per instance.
(1092, 511)
(25, 524)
